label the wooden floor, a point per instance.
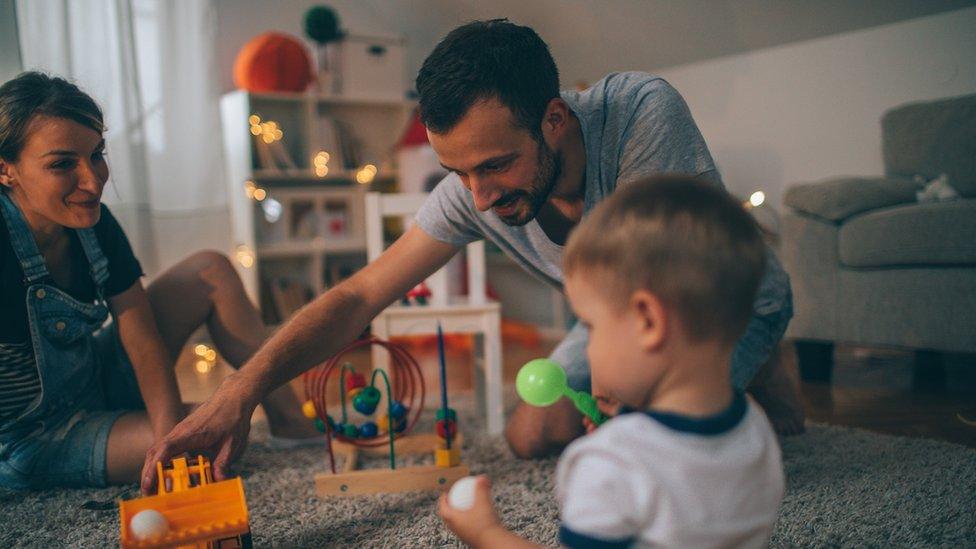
(871, 388)
(874, 389)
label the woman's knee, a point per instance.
(212, 268)
(212, 261)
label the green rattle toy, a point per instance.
(541, 382)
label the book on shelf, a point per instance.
(329, 141)
(266, 159)
(281, 155)
(337, 138)
(273, 156)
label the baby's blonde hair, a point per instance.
(684, 240)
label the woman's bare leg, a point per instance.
(128, 441)
(206, 289)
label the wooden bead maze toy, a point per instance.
(390, 433)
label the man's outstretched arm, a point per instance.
(219, 427)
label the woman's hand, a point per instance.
(217, 429)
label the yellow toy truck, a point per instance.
(190, 510)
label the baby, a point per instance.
(663, 275)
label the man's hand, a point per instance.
(608, 407)
(217, 429)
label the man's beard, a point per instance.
(532, 199)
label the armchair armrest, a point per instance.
(835, 200)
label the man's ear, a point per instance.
(652, 319)
(555, 120)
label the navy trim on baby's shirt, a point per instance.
(569, 538)
(716, 424)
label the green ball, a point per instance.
(541, 382)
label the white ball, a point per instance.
(148, 524)
(461, 495)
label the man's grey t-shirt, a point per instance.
(634, 125)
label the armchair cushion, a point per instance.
(932, 138)
(930, 234)
(835, 200)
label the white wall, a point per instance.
(588, 38)
(811, 110)
(772, 116)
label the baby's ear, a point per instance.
(652, 319)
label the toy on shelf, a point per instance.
(322, 26)
(389, 433)
(541, 382)
(418, 295)
(190, 510)
(273, 62)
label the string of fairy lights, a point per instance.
(206, 358)
(270, 132)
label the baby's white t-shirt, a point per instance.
(648, 479)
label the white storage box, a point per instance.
(371, 68)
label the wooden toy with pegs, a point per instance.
(390, 433)
(190, 510)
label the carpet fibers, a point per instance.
(844, 487)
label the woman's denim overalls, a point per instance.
(61, 438)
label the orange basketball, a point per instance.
(273, 62)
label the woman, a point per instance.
(74, 411)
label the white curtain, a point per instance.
(150, 66)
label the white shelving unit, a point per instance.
(317, 236)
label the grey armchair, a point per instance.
(872, 266)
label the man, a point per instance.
(526, 164)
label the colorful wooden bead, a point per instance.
(447, 458)
(447, 413)
(366, 401)
(353, 393)
(383, 423)
(355, 380)
(368, 430)
(339, 429)
(446, 428)
(319, 425)
(350, 430)
(398, 410)
(308, 410)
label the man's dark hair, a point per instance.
(483, 60)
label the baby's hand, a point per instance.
(471, 524)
